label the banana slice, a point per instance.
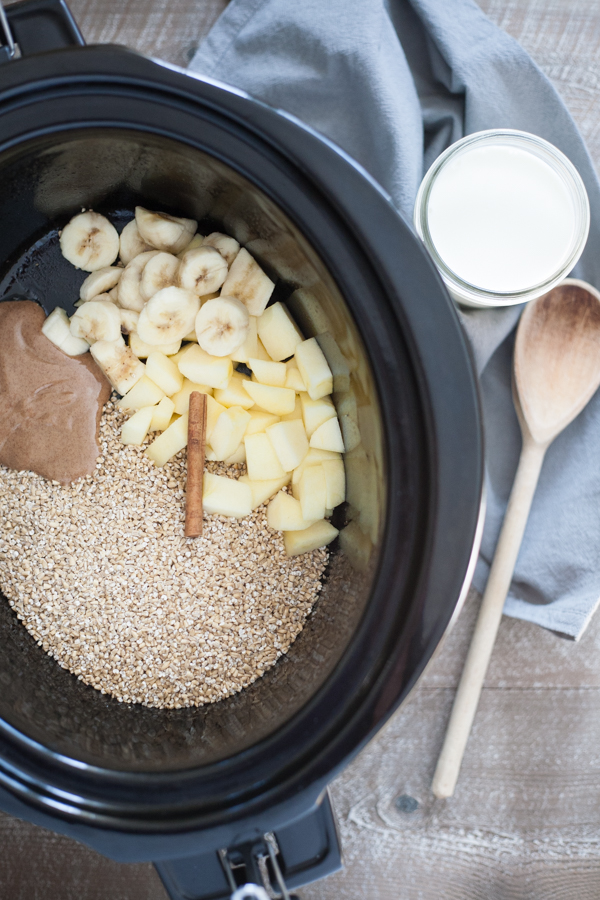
(129, 321)
(106, 297)
(164, 232)
(130, 296)
(168, 316)
(96, 320)
(100, 282)
(89, 242)
(57, 329)
(131, 243)
(247, 281)
(202, 271)
(227, 246)
(222, 326)
(159, 272)
(122, 368)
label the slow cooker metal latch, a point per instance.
(258, 861)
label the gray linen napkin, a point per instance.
(394, 82)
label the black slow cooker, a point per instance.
(235, 792)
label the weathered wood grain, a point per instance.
(525, 821)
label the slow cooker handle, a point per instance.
(37, 26)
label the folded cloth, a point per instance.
(394, 82)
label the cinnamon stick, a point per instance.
(195, 464)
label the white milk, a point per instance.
(501, 218)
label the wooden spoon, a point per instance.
(556, 372)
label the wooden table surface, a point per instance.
(525, 821)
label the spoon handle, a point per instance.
(490, 613)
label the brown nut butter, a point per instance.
(50, 403)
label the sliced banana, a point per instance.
(247, 281)
(106, 297)
(202, 271)
(168, 316)
(130, 296)
(164, 232)
(96, 320)
(222, 326)
(122, 367)
(100, 282)
(196, 241)
(129, 320)
(131, 243)
(159, 272)
(227, 246)
(89, 242)
(57, 329)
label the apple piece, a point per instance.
(229, 431)
(276, 400)
(161, 417)
(296, 413)
(238, 456)
(293, 378)
(247, 282)
(264, 490)
(143, 350)
(174, 418)
(261, 353)
(284, 513)
(144, 393)
(328, 437)
(273, 373)
(336, 361)
(191, 336)
(169, 442)
(226, 497)
(201, 367)
(289, 442)
(136, 428)
(335, 479)
(176, 357)
(260, 421)
(318, 535)
(312, 458)
(182, 398)
(312, 489)
(235, 394)
(213, 411)
(278, 332)
(314, 369)
(315, 412)
(250, 346)
(164, 372)
(261, 459)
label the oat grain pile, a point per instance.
(101, 575)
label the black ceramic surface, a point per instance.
(104, 128)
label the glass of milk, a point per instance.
(505, 216)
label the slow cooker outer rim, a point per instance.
(391, 702)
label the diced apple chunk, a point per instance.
(201, 367)
(313, 458)
(273, 373)
(289, 442)
(312, 493)
(293, 378)
(250, 346)
(328, 437)
(169, 442)
(296, 413)
(238, 456)
(164, 372)
(235, 394)
(335, 479)
(261, 353)
(144, 393)
(213, 411)
(226, 497)
(229, 431)
(182, 398)
(314, 369)
(318, 535)
(261, 459)
(247, 282)
(161, 417)
(264, 490)
(142, 350)
(278, 332)
(260, 421)
(284, 513)
(315, 412)
(276, 400)
(136, 428)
